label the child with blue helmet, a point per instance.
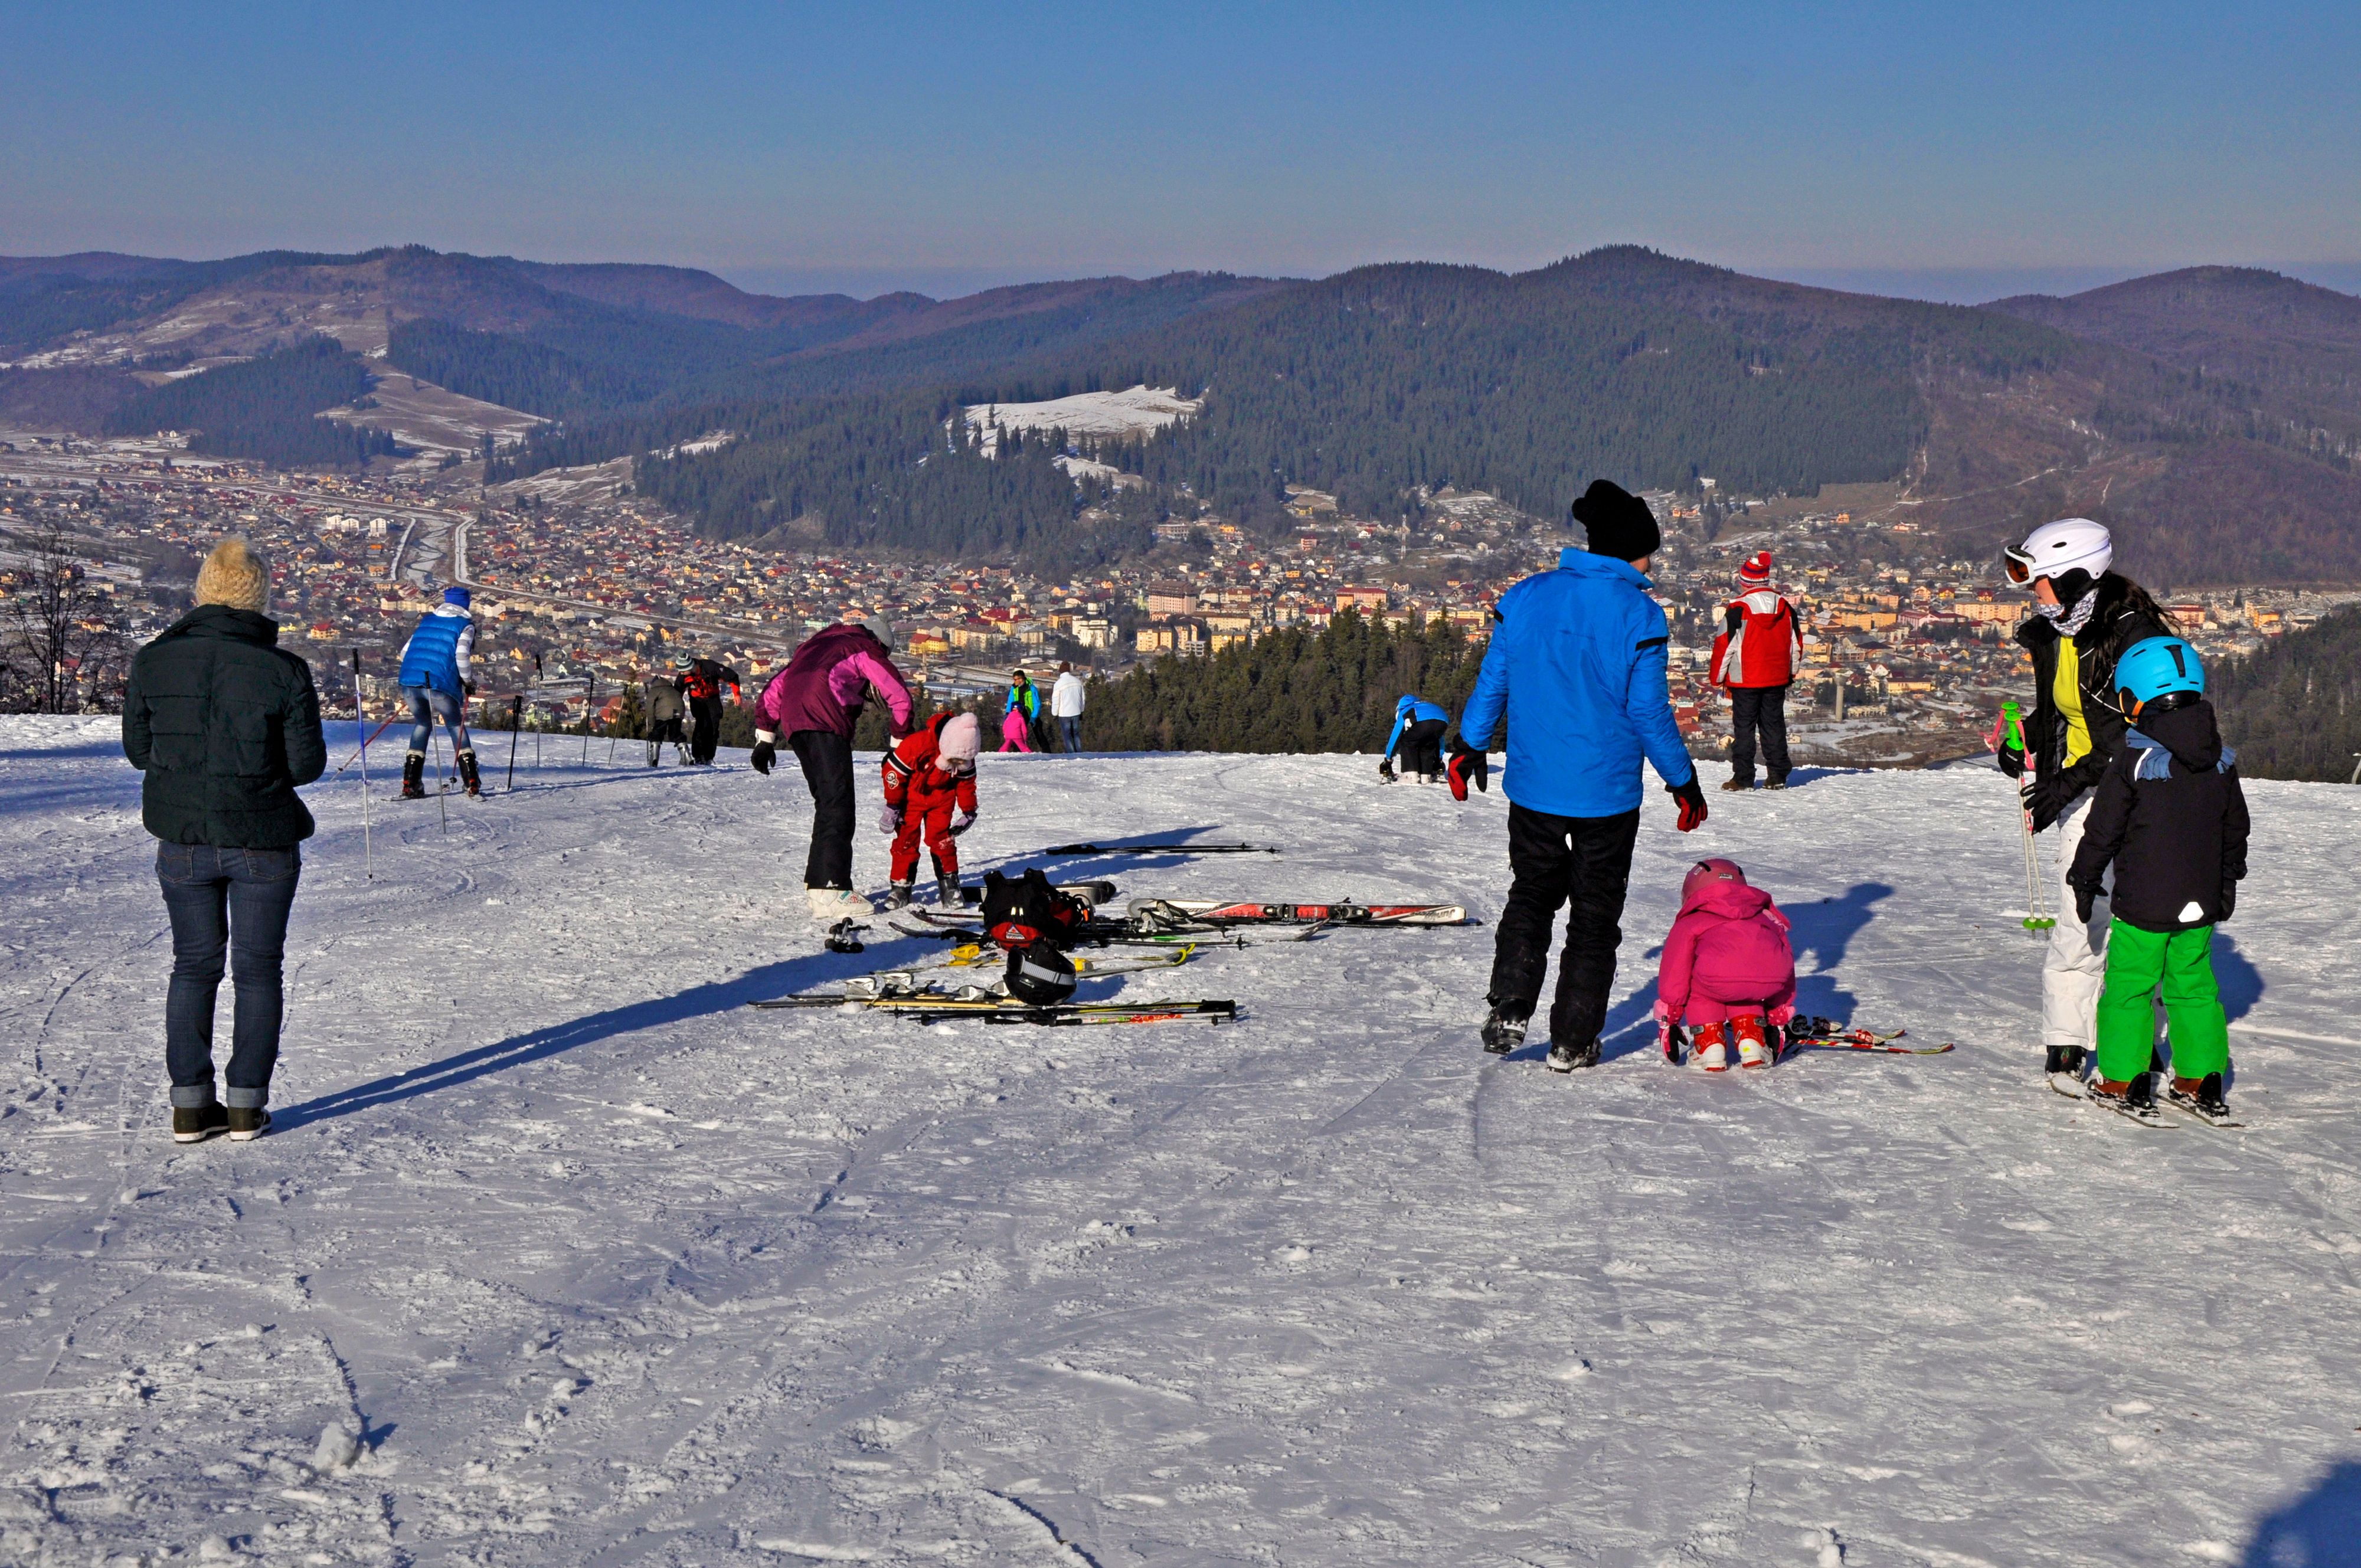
(2169, 830)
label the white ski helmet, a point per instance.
(2054, 549)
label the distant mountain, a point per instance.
(2277, 334)
(2294, 708)
(2213, 415)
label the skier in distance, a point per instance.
(1418, 725)
(1576, 667)
(1754, 660)
(2085, 615)
(1067, 698)
(661, 712)
(814, 702)
(437, 682)
(700, 682)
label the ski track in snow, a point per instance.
(601, 1266)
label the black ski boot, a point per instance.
(951, 895)
(1504, 1031)
(1564, 1058)
(898, 896)
(655, 753)
(2067, 1060)
(414, 777)
(467, 774)
(2200, 1097)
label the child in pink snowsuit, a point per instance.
(1728, 969)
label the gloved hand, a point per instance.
(962, 823)
(2229, 899)
(2086, 898)
(1385, 770)
(889, 819)
(1692, 800)
(763, 755)
(2011, 760)
(1467, 765)
(2047, 798)
(470, 685)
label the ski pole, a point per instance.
(516, 722)
(2036, 914)
(371, 736)
(589, 707)
(536, 721)
(441, 784)
(368, 853)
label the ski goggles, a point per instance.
(2017, 565)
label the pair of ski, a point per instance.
(2073, 1087)
(936, 1007)
(1829, 1037)
(1162, 920)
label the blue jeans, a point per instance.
(427, 706)
(1069, 730)
(232, 902)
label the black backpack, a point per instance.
(1019, 912)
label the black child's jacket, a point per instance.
(2170, 817)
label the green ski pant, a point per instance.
(2181, 962)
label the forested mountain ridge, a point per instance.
(2211, 415)
(2293, 707)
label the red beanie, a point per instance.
(1756, 569)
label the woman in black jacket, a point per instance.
(2085, 615)
(225, 725)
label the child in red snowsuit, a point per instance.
(1727, 969)
(927, 773)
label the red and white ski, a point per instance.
(1211, 912)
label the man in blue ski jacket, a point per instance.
(1576, 666)
(437, 685)
(1418, 736)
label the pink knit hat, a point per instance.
(1755, 570)
(962, 738)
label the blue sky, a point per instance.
(1960, 149)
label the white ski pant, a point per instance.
(2074, 969)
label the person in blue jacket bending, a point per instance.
(436, 682)
(1418, 736)
(1576, 667)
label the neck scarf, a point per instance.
(2070, 619)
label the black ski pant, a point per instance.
(704, 728)
(1762, 708)
(1422, 748)
(827, 761)
(1584, 862)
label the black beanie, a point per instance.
(1619, 522)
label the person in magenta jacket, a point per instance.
(815, 702)
(1727, 969)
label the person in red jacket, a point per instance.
(929, 772)
(1755, 658)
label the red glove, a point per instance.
(1692, 801)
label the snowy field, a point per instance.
(600, 1267)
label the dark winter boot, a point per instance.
(898, 895)
(1504, 1031)
(2067, 1060)
(655, 753)
(950, 895)
(2200, 1097)
(1564, 1058)
(247, 1123)
(414, 777)
(195, 1124)
(467, 774)
(1735, 783)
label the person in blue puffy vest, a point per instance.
(435, 681)
(1418, 736)
(1576, 667)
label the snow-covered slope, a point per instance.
(603, 1266)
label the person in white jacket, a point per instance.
(1065, 700)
